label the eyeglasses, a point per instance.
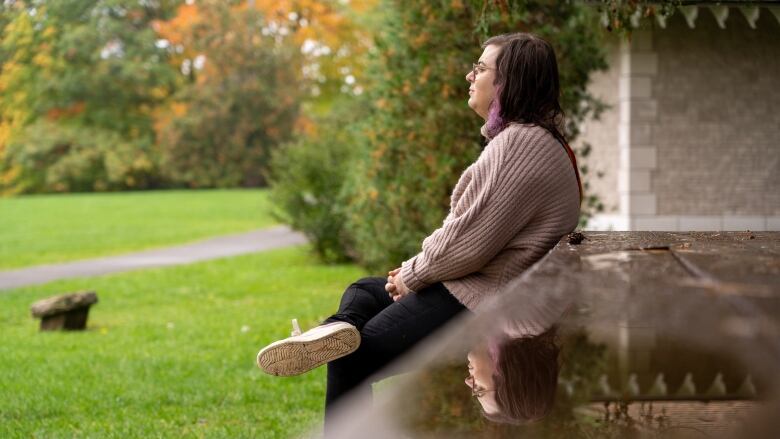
(479, 68)
(476, 392)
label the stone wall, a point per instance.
(718, 129)
(690, 142)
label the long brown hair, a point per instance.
(527, 88)
(525, 378)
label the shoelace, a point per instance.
(296, 329)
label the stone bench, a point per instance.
(67, 311)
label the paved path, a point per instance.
(219, 247)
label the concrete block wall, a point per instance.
(718, 128)
(697, 127)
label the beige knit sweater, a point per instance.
(507, 210)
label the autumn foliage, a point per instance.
(85, 70)
(199, 91)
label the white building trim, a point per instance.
(638, 112)
(677, 223)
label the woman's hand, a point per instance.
(395, 284)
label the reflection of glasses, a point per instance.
(479, 68)
(476, 392)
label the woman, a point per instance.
(507, 210)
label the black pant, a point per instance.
(388, 329)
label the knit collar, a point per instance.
(484, 132)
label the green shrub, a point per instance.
(220, 141)
(306, 181)
(52, 157)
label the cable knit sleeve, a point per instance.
(506, 187)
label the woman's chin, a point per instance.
(473, 107)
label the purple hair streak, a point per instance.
(495, 123)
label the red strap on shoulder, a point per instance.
(576, 168)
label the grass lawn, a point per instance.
(169, 352)
(41, 229)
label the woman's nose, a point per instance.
(470, 76)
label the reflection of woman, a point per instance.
(515, 378)
(507, 210)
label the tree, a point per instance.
(89, 65)
(241, 100)
(249, 70)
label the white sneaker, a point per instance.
(303, 352)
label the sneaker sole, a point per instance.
(294, 357)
